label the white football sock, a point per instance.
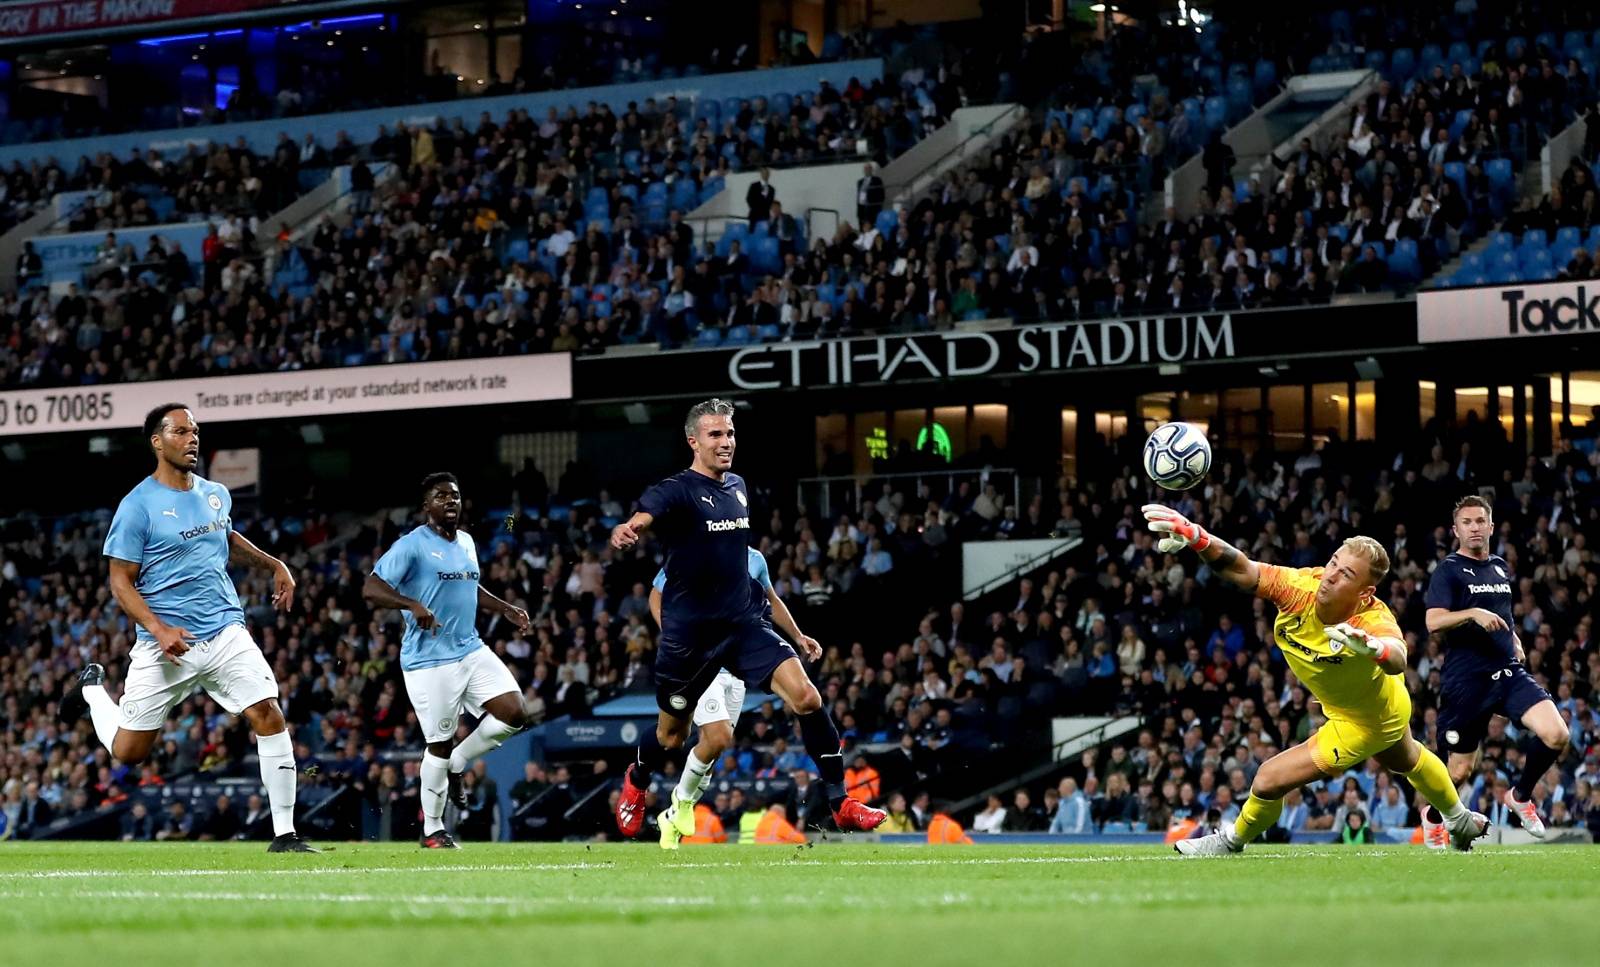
(487, 736)
(1455, 814)
(103, 712)
(693, 781)
(435, 784)
(278, 774)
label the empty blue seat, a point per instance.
(1570, 235)
(769, 332)
(1501, 240)
(738, 336)
(709, 337)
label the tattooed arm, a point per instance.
(1178, 532)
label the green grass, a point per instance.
(113, 905)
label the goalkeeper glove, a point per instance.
(1353, 639)
(1178, 531)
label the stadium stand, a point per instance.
(928, 689)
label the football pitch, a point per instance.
(116, 904)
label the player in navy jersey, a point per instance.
(717, 711)
(1469, 607)
(169, 547)
(711, 619)
(431, 577)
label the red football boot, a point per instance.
(855, 816)
(630, 805)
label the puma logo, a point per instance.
(437, 554)
(709, 501)
(1470, 571)
(290, 768)
(173, 513)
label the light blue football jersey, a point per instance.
(443, 575)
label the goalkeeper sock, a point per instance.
(103, 712)
(435, 783)
(1256, 816)
(1432, 779)
(278, 774)
(1535, 764)
(485, 738)
(693, 781)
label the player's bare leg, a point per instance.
(1545, 722)
(1289, 769)
(275, 750)
(1428, 775)
(791, 684)
(677, 821)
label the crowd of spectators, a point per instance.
(919, 695)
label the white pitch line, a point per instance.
(792, 860)
(946, 899)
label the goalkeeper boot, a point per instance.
(1471, 826)
(1219, 843)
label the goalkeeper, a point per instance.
(1345, 647)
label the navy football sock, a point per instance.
(650, 759)
(1535, 764)
(822, 745)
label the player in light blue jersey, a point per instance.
(431, 576)
(169, 548)
(717, 711)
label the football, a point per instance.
(1177, 456)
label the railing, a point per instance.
(1037, 560)
(827, 489)
(1097, 735)
(1559, 151)
(898, 184)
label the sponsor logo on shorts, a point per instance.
(678, 702)
(1453, 737)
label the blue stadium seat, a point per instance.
(738, 336)
(708, 337)
(1570, 235)
(769, 333)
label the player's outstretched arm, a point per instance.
(626, 534)
(241, 551)
(1178, 532)
(781, 616)
(487, 601)
(380, 594)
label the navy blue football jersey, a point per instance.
(1459, 583)
(704, 526)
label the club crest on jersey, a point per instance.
(1500, 570)
(214, 502)
(742, 501)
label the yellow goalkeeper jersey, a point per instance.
(1350, 687)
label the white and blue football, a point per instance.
(1177, 456)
